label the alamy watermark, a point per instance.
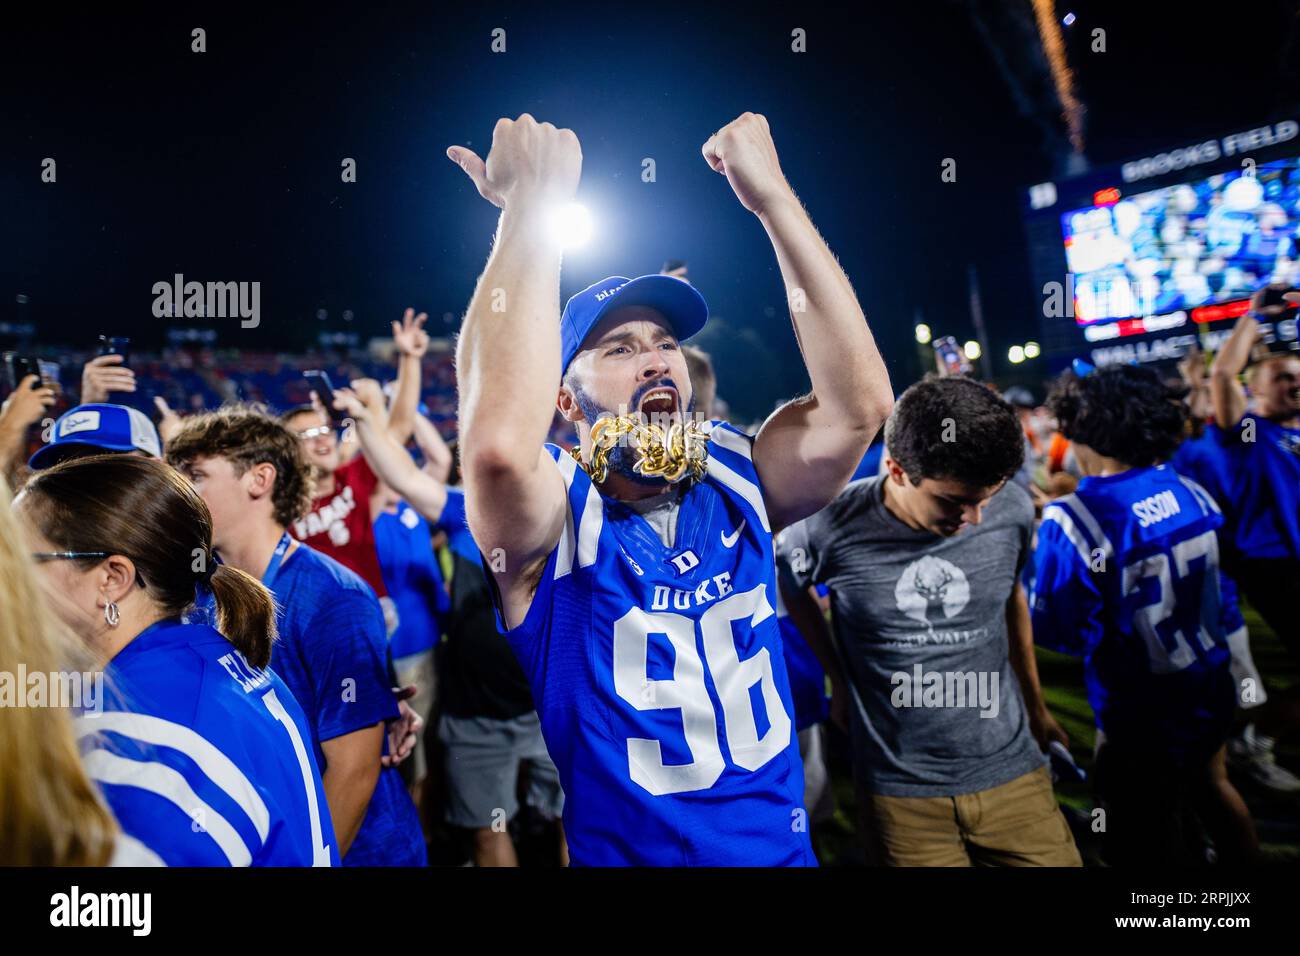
(73, 690)
(923, 688)
(209, 300)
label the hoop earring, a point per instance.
(111, 614)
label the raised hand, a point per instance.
(170, 423)
(104, 374)
(743, 151)
(27, 403)
(409, 334)
(529, 162)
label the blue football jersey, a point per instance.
(659, 677)
(1253, 470)
(204, 759)
(413, 579)
(1127, 574)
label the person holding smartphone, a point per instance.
(25, 406)
(340, 521)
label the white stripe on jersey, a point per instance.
(1062, 519)
(1208, 504)
(733, 441)
(219, 768)
(739, 484)
(1089, 523)
(107, 767)
(128, 851)
(593, 517)
(564, 550)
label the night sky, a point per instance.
(225, 165)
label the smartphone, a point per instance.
(1272, 303)
(320, 384)
(19, 367)
(951, 358)
(115, 345)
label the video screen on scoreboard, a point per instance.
(1184, 246)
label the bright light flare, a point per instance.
(571, 225)
(972, 350)
(1016, 354)
(1031, 350)
(923, 334)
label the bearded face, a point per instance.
(631, 367)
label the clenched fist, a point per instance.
(529, 162)
(743, 151)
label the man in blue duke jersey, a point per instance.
(1127, 575)
(636, 580)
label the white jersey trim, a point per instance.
(107, 767)
(1072, 503)
(1061, 518)
(564, 550)
(593, 519)
(219, 768)
(128, 851)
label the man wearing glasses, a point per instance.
(348, 495)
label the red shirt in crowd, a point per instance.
(341, 526)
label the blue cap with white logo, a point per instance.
(89, 429)
(676, 299)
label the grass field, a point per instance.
(1277, 817)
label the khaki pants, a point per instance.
(1015, 824)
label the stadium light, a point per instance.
(1031, 350)
(571, 225)
(1016, 354)
(923, 334)
(972, 350)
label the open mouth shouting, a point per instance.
(659, 404)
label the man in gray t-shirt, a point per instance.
(935, 656)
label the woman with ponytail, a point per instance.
(202, 753)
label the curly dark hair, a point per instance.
(1124, 412)
(246, 435)
(955, 428)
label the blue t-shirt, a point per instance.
(204, 759)
(413, 579)
(1127, 575)
(1253, 471)
(659, 677)
(332, 653)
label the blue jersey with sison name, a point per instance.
(204, 759)
(1127, 574)
(659, 677)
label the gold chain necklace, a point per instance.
(670, 453)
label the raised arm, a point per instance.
(1226, 393)
(508, 355)
(412, 342)
(807, 450)
(389, 460)
(437, 456)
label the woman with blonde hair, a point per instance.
(200, 751)
(50, 812)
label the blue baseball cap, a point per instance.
(88, 429)
(676, 299)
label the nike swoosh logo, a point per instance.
(729, 540)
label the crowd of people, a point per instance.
(323, 635)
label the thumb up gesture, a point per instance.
(529, 162)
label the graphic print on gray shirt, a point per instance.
(921, 622)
